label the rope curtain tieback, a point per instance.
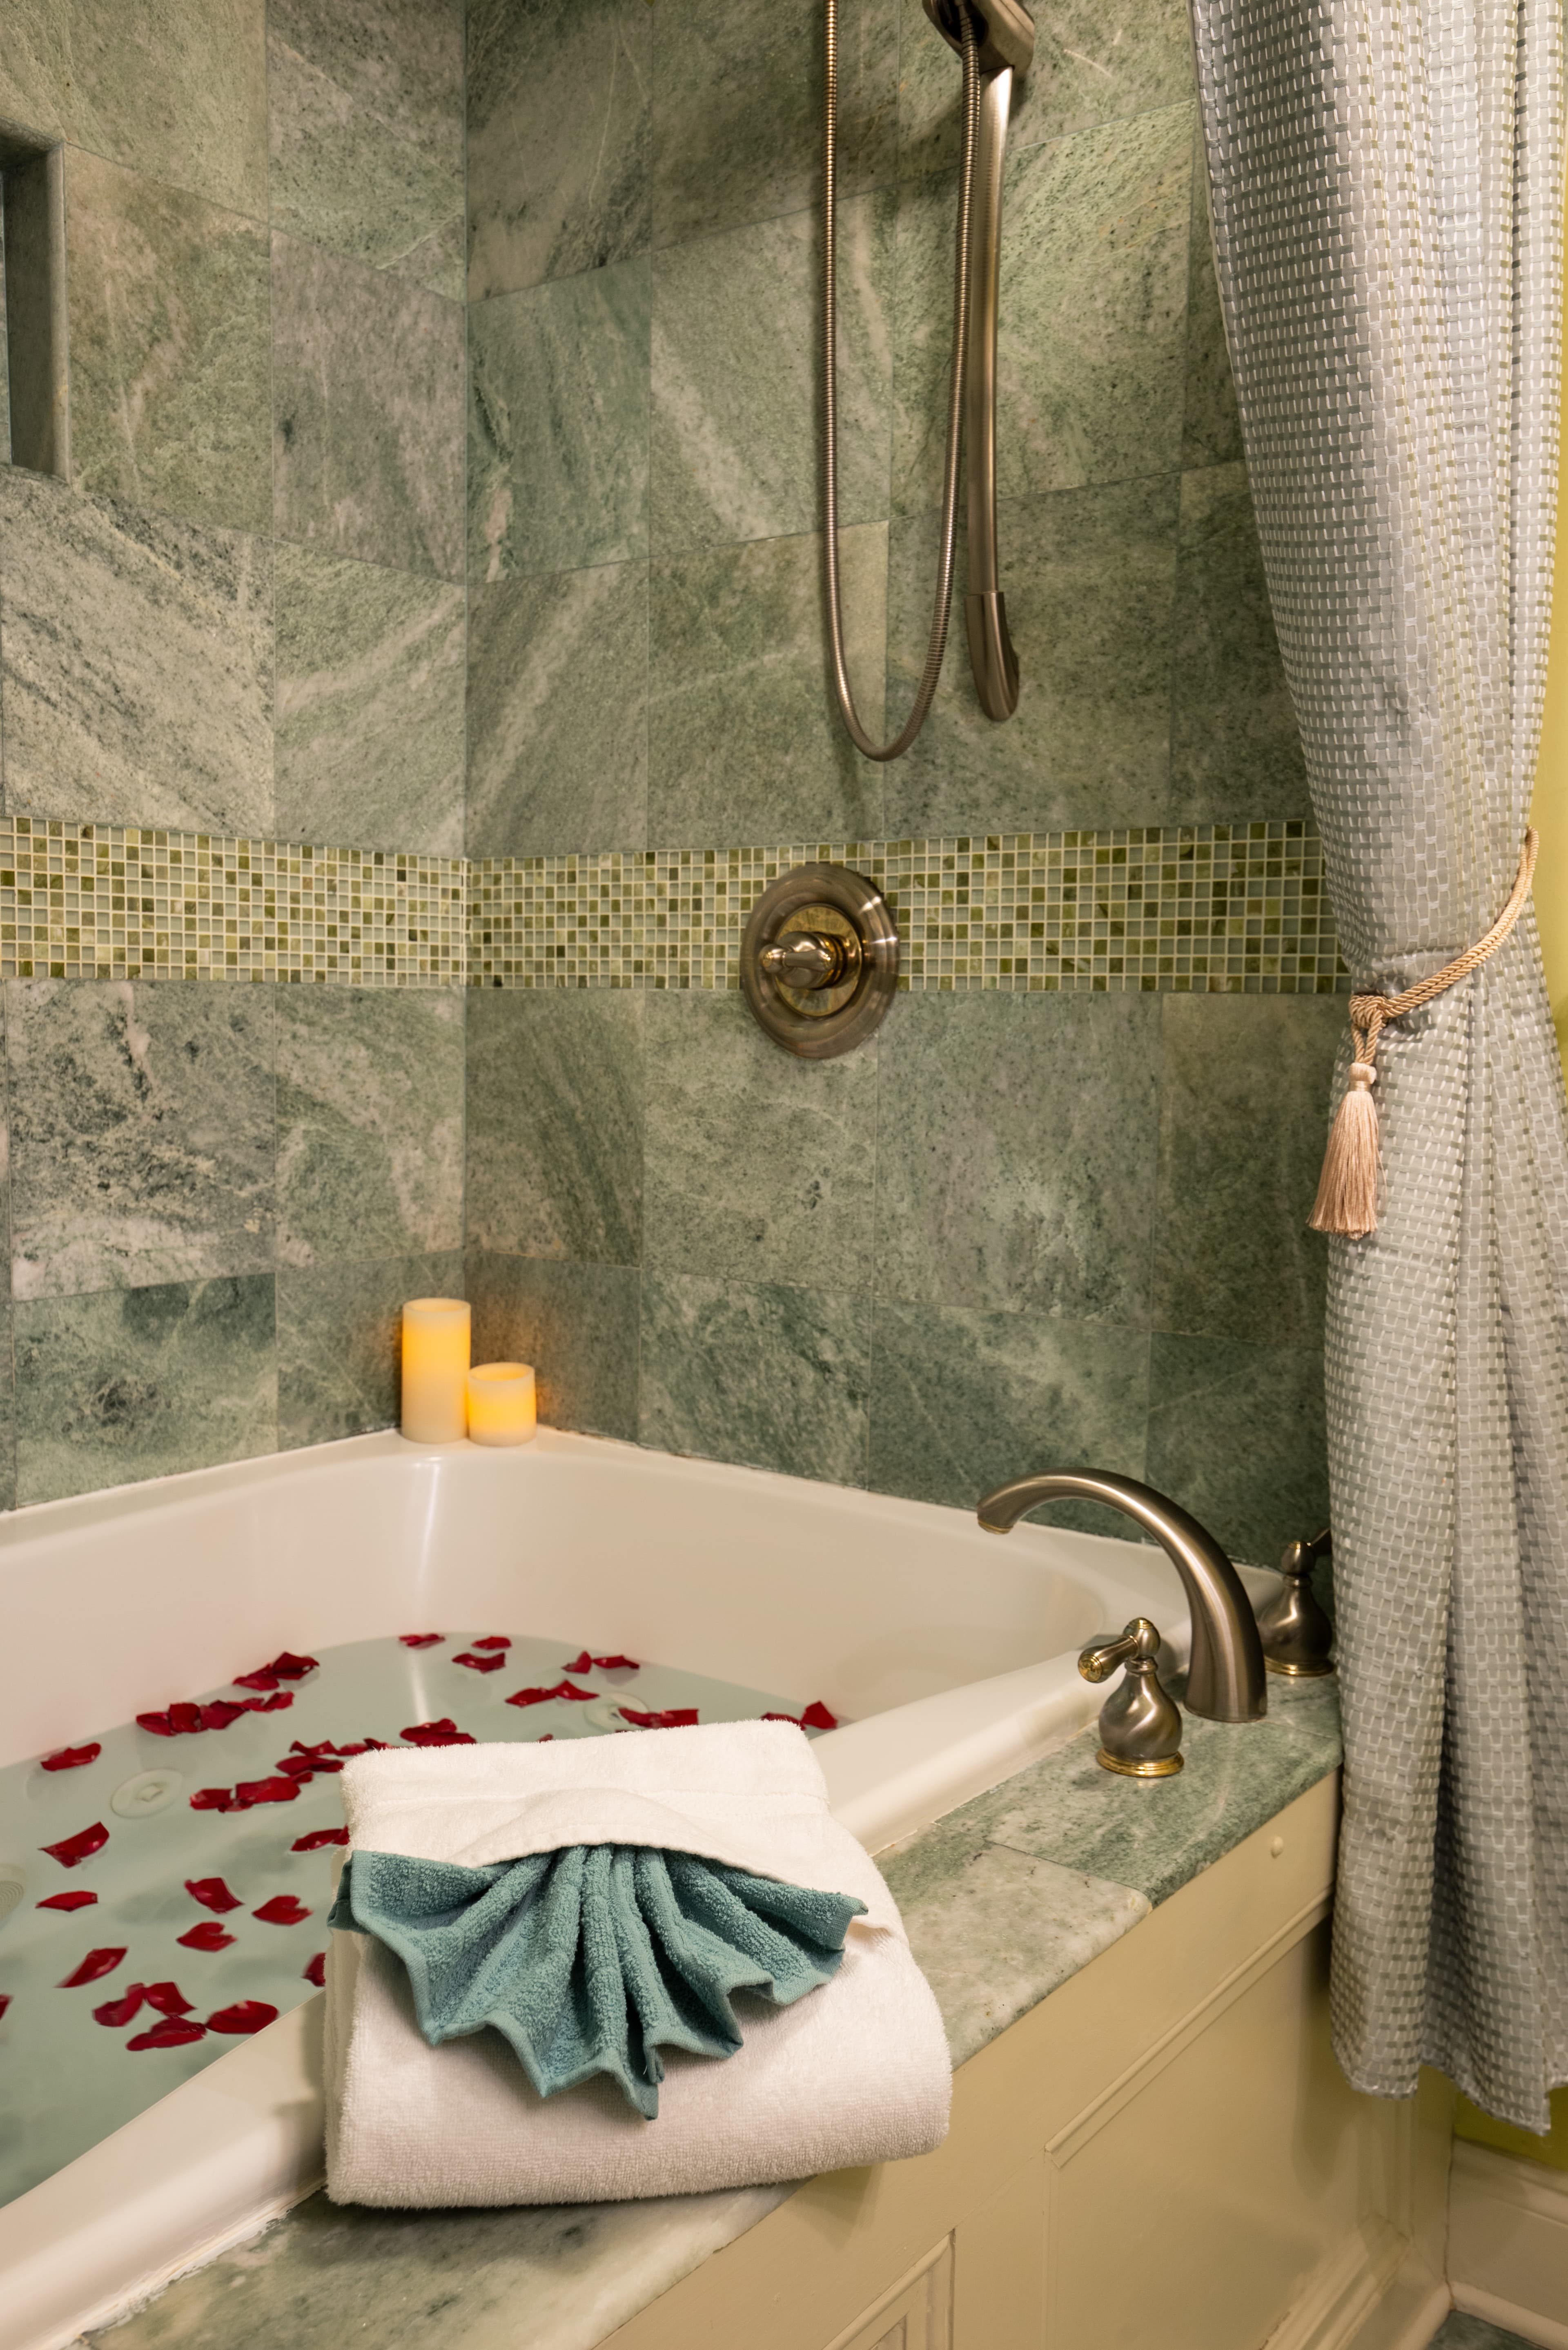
(1347, 1198)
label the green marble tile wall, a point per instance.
(1025, 1223)
(241, 622)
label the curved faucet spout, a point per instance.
(1225, 1676)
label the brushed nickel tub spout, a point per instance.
(1225, 1676)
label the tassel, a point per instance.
(1347, 1198)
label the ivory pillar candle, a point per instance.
(435, 1369)
(501, 1405)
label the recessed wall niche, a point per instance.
(32, 183)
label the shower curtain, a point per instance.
(1386, 179)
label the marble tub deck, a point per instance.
(1003, 1899)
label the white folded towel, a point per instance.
(855, 2071)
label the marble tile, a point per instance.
(368, 700)
(558, 107)
(428, 2280)
(995, 1934)
(171, 348)
(758, 1168)
(744, 739)
(176, 88)
(737, 399)
(124, 1384)
(557, 424)
(1211, 428)
(1460, 2332)
(1237, 1432)
(8, 1410)
(557, 714)
(367, 392)
(1243, 1119)
(1015, 1153)
(137, 664)
(338, 1337)
(1092, 65)
(365, 131)
(369, 1123)
(1157, 1837)
(1235, 748)
(554, 1123)
(737, 110)
(141, 1133)
(576, 1323)
(1093, 312)
(962, 1400)
(1089, 576)
(771, 1377)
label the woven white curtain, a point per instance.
(1386, 179)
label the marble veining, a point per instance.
(1270, 1486)
(576, 1323)
(997, 1922)
(769, 1375)
(338, 1326)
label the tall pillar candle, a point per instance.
(435, 1369)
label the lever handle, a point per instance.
(1141, 1723)
(806, 960)
(1296, 1634)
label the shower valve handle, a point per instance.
(806, 960)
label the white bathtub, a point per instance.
(951, 1653)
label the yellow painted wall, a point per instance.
(1550, 816)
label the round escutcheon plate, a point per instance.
(827, 903)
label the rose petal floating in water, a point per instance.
(444, 1732)
(206, 1936)
(5, 2002)
(78, 1847)
(93, 1969)
(169, 1999)
(246, 2015)
(421, 1639)
(492, 1664)
(212, 1893)
(117, 2012)
(542, 1696)
(279, 1702)
(264, 1678)
(169, 2032)
(296, 1766)
(612, 1665)
(212, 1799)
(315, 1972)
(292, 1668)
(319, 1838)
(264, 1790)
(223, 1709)
(82, 1901)
(675, 1717)
(283, 1909)
(494, 1640)
(71, 1758)
(582, 1664)
(816, 1717)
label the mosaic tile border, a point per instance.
(1201, 908)
(1205, 908)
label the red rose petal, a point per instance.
(157, 1724)
(319, 1839)
(494, 1640)
(279, 1702)
(212, 1893)
(540, 1695)
(292, 1668)
(315, 1972)
(611, 1665)
(168, 1998)
(283, 1909)
(169, 2032)
(421, 1639)
(207, 1936)
(676, 1717)
(5, 2002)
(481, 1664)
(93, 1969)
(311, 1754)
(264, 1678)
(117, 2013)
(221, 1711)
(264, 1791)
(296, 1766)
(212, 1799)
(817, 1717)
(80, 1847)
(444, 1732)
(246, 2015)
(71, 1758)
(82, 1901)
(582, 1664)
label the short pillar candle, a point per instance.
(501, 1405)
(435, 1369)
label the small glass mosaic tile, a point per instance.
(1203, 908)
(112, 901)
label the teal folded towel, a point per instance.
(592, 1959)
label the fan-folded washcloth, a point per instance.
(594, 1958)
(788, 1933)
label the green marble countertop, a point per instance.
(1004, 1899)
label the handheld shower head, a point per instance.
(1004, 28)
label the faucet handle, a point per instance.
(1140, 1724)
(1296, 1633)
